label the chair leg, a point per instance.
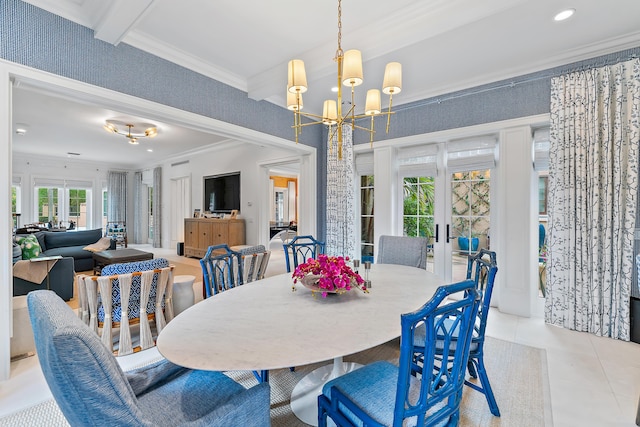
(472, 369)
(486, 387)
(322, 413)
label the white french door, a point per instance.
(446, 197)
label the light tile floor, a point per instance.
(593, 381)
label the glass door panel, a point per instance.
(418, 217)
(470, 218)
(366, 218)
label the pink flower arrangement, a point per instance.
(334, 275)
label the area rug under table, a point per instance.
(518, 375)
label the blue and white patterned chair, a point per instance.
(91, 389)
(139, 292)
(403, 250)
(427, 394)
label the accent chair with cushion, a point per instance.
(403, 250)
(91, 389)
(127, 294)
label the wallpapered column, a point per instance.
(341, 197)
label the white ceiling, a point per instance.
(444, 45)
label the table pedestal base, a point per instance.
(304, 397)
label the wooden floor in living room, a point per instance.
(592, 381)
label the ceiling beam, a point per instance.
(119, 19)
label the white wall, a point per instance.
(231, 157)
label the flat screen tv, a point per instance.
(222, 193)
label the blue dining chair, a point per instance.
(481, 269)
(221, 269)
(299, 249)
(91, 389)
(383, 394)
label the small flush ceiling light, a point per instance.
(565, 14)
(149, 150)
(132, 131)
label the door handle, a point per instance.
(448, 236)
(437, 232)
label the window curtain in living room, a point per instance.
(341, 199)
(593, 190)
(157, 207)
(138, 208)
(116, 196)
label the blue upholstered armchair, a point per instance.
(91, 389)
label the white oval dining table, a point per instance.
(264, 325)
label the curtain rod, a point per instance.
(587, 64)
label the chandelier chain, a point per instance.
(339, 52)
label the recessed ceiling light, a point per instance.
(334, 89)
(565, 14)
(149, 150)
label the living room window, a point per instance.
(16, 202)
(63, 203)
(77, 208)
(47, 204)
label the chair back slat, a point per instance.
(300, 249)
(449, 322)
(482, 268)
(222, 269)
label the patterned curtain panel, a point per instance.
(341, 199)
(157, 207)
(116, 196)
(138, 201)
(593, 190)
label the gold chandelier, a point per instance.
(133, 131)
(349, 74)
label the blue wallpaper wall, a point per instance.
(39, 39)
